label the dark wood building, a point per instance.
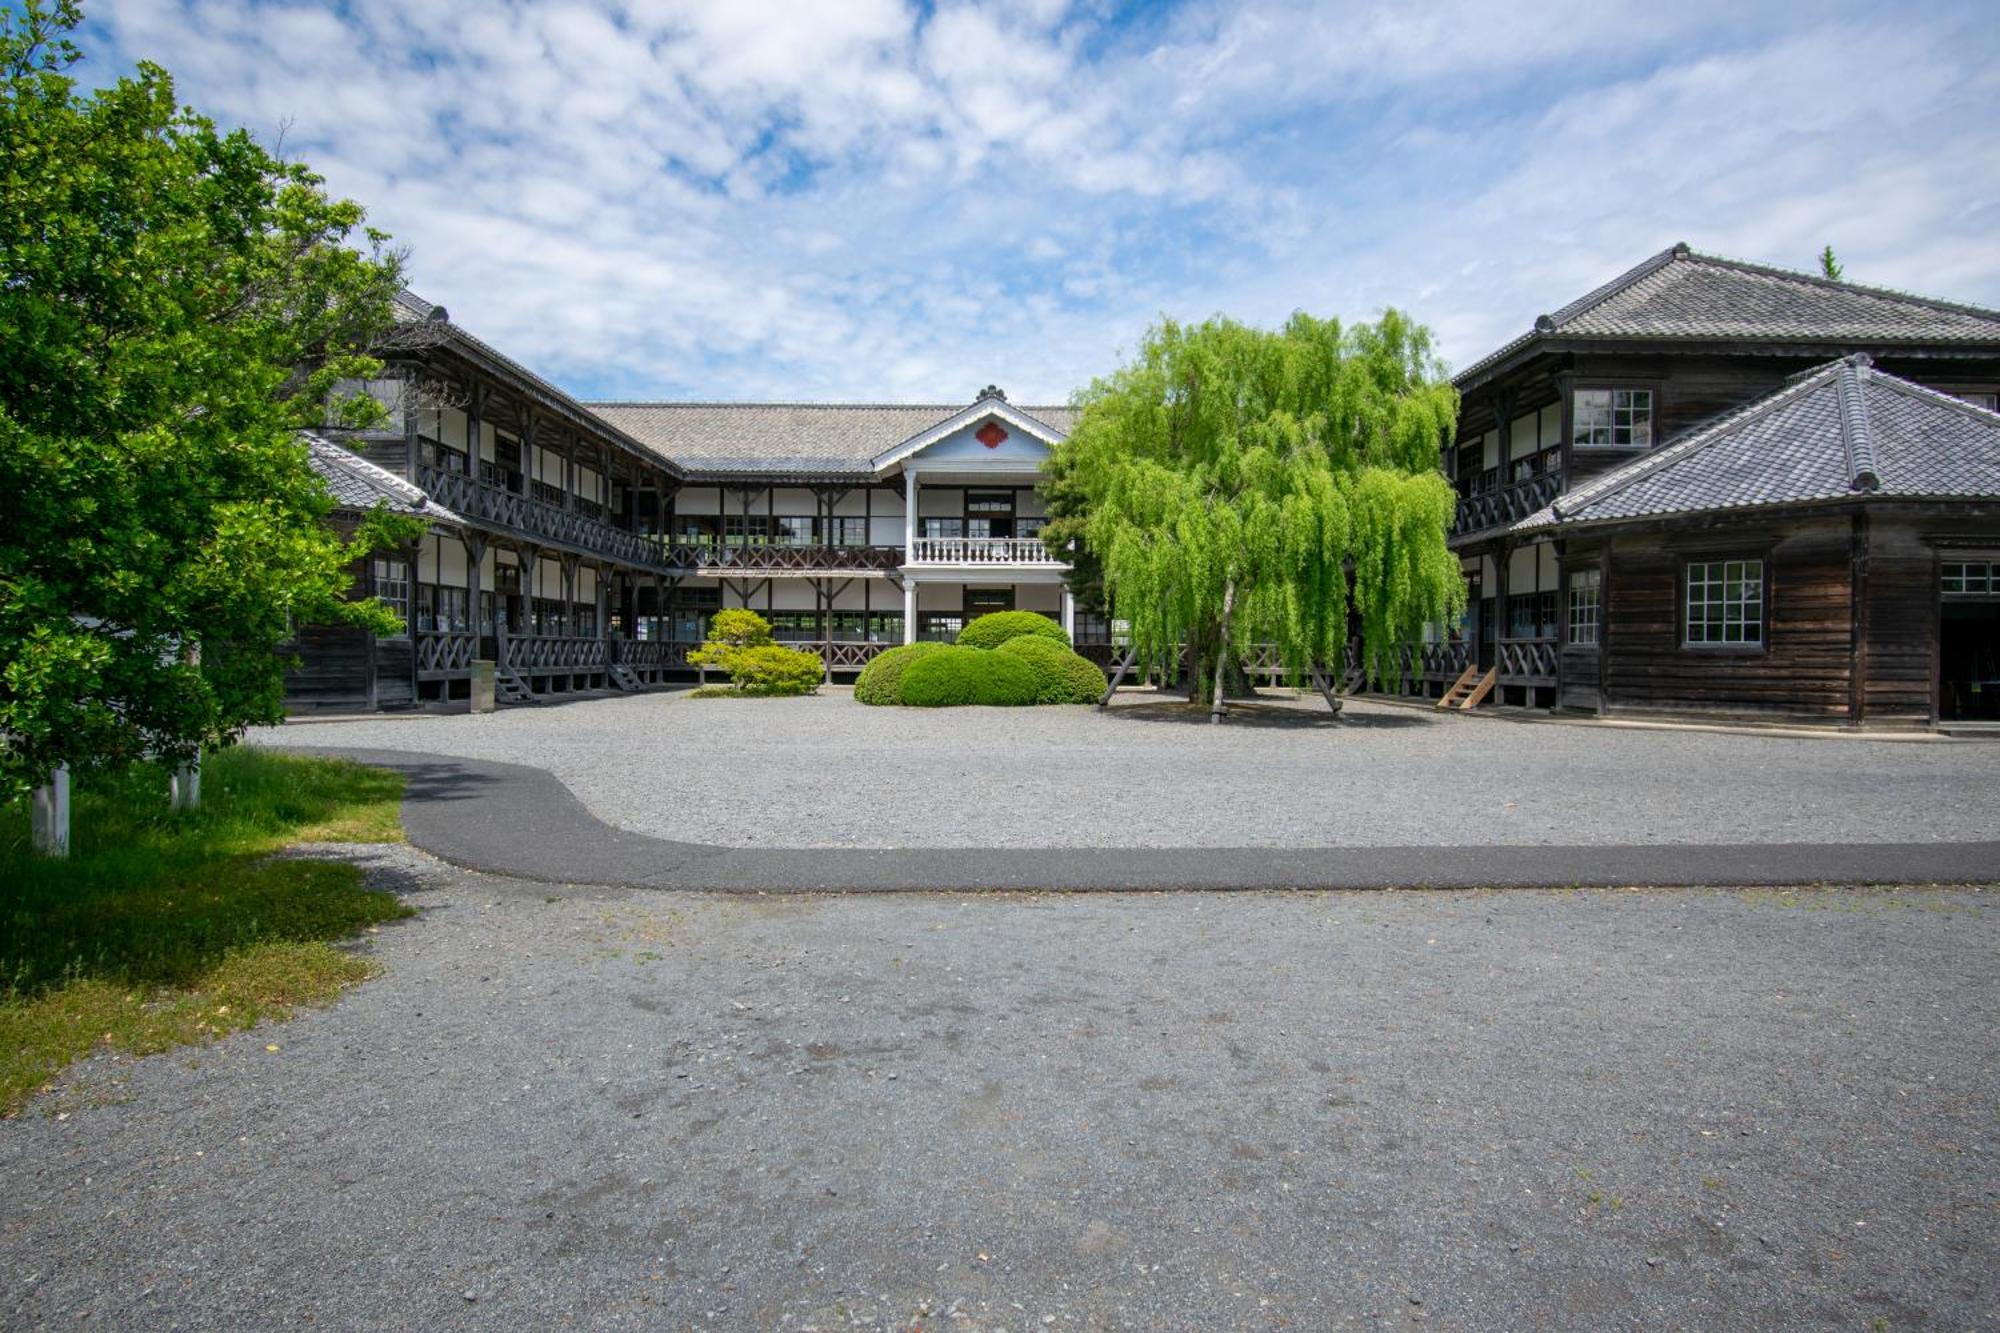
(1624, 375)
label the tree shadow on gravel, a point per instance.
(1275, 716)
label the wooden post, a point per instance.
(50, 816)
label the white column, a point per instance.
(1069, 613)
(910, 611)
(49, 818)
(909, 516)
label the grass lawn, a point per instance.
(162, 929)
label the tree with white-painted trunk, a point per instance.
(1235, 485)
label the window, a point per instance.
(697, 529)
(847, 532)
(1989, 401)
(746, 529)
(790, 530)
(1970, 578)
(885, 628)
(1725, 602)
(443, 456)
(441, 610)
(392, 586)
(1585, 607)
(989, 502)
(1531, 615)
(1613, 418)
(944, 527)
(939, 626)
(846, 627)
(793, 626)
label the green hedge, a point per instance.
(959, 675)
(1061, 677)
(997, 627)
(881, 681)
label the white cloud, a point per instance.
(866, 199)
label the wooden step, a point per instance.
(1479, 693)
(1459, 687)
(622, 677)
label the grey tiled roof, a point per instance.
(1842, 431)
(831, 439)
(1678, 294)
(359, 484)
(427, 321)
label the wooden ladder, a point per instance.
(510, 688)
(622, 677)
(1470, 689)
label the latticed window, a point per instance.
(940, 626)
(793, 626)
(392, 586)
(847, 532)
(1613, 418)
(1725, 602)
(1585, 605)
(792, 530)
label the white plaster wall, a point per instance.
(793, 500)
(1551, 418)
(1029, 504)
(1043, 597)
(940, 502)
(853, 504)
(1489, 447)
(885, 503)
(940, 597)
(699, 500)
(1524, 431)
(586, 584)
(451, 561)
(1548, 576)
(1521, 570)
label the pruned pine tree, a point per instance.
(1235, 485)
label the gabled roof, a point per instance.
(1844, 431)
(360, 485)
(989, 404)
(419, 323)
(1681, 295)
(792, 439)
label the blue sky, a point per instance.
(866, 200)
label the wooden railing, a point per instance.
(442, 654)
(650, 652)
(539, 655)
(1528, 661)
(503, 508)
(1509, 504)
(1445, 660)
(980, 551)
(785, 559)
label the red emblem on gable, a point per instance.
(991, 434)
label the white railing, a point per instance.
(980, 551)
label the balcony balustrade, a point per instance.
(785, 559)
(503, 508)
(1508, 504)
(980, 551)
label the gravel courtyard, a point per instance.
(584, 1108)
(827, 772)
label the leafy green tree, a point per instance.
(731, 630)
(174, 302)
(1233, 484)
(1829, 266)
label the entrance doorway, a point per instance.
(1969, 661)
(1969, 640)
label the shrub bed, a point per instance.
(881, 681)
(958, 675)
(768, 670)
(998, 627)
(1061, 676)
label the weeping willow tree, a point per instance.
(1235, 485)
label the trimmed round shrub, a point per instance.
(1061, 676)
(997, 627)
(968, 676)
(881, 681)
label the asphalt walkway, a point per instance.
(514, 820)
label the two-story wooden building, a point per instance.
(1658, 354)
(584, 546)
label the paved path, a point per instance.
(827, 772)
(595, 1109)
(519, 821)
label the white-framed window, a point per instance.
(1725, 603)
(392, 588)
(1969, 578)
(1585, 605)
(1612, 418)
(1989, 401)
